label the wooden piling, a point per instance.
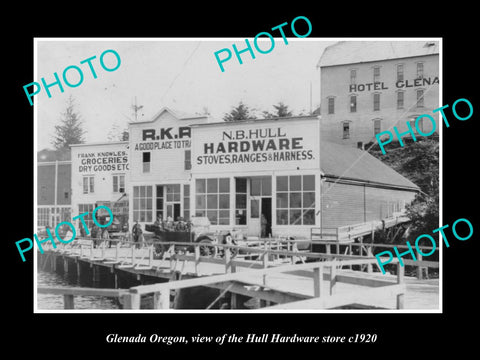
(131, 301)
(68, 302)
(161, 299)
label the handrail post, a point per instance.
(150, 255)
(132, 254)
(197, 258)
(265, 265)
(317, 280)
(103, 249)
(369, 254)
(91, 250)
(419, 267)
(333, 278)
(227, 259)
(400, 280)
(117, 249)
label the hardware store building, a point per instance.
(233, 172)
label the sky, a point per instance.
(181, 74)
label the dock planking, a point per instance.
(258, 278)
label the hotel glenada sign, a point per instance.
(374, 86)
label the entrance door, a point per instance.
(266, 208)
(260, 203)
(172, 201)
(254, 219)
(173, 211)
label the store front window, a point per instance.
(142, 203)
(296, 200)
(212, 199)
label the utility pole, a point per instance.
(136, 108)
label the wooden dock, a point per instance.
(273, 273)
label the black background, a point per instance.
(404, 334)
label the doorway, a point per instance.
(173, 210)
(266, 210)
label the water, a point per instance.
(55, 302)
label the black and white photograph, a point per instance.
(229, 182)
(267, 189)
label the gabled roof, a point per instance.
(354, 164)
(177, 114)
(354, 52)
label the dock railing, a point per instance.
(268, 251)
(141, 258)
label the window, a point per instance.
(420, 102)
(353, 103)
(43, 215)
(377, 126)
(346, 130)
(65, 195)
(142, 203)
(186, 202)
(83, 208)
(376, 102)
(353, 76)
(159, 204)
(173, 200)
(88, 184)
(188, 159)
(146, 162)
(419, 70)
(400, 99)
(212, 199)
(376, 74)
(240, 201)
(400, 72)
(261, 186)
(331, 105)
(173, 192)
(296, 200)
(419, 125)
(119, 183)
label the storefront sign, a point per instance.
(399, 84)
(164, 139)
(256, 146)
(103, 161)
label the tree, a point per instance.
(281, 110)
(115, 134)
(70, 129)
(241, 112)
(418, 162)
